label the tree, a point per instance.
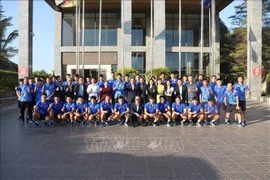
(6, 51)
(236, 47)
(41, 73)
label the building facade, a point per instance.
(137, 45)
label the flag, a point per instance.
(206, 3)
(66, 3)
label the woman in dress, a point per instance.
(168, 93)
(151, 90)
(160, 89)
(106, 90)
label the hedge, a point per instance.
(156, 72)
(128, 71)
(8, 80)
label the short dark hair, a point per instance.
(70, 96)
(80, 97)
(177, 97)
(214, 76)
(93, 97)
(44, 94)
(119, 74)
(161, 97)
(152, 97)
(194, 98)
(120, 97)
(101, 75)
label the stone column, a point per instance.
(254, 47)
(127, 23)
(159, 49)
(57, 44)
(25, 44)
(217, 50)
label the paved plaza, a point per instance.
(221, 152)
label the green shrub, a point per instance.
(8, 80)
(156, 73)
(129, 71)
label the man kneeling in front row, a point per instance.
(151, 111)
(41, 111)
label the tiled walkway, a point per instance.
(221, 152)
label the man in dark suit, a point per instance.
(136, 112)
(69, 89)
(181, 90)
(60, 90)
(132, 90)
(80, 90)
(143, 88)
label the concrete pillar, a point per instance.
(217, 67)
(57, 44)
(127, 27)
(159, 49)
(254, 47)
(25, 44)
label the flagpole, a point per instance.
(213, 9)
(76, 31)
(151, 34)
(210, 40)
(201, 53)
(99, 36)
(79, 36)
(180, 37)
(122, 26)
(83, 29)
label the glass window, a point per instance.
(108, 29)
(189, 62)
(138, 29)
(138, 61)
(190, 30)
(68, 31)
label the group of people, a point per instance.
(132, 101)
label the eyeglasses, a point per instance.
(137, 99)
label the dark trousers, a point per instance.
(28, 105)
(135, 121)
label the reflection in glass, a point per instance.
(108, 29)
(138, 61)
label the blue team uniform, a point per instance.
(195, 108)
(121, 107)
(220, 93)
(179, 108)
(69, 107)
(100, 84)
(211, 110)
(19, 89)
(57, 108)
(43, 108)
(119, 88)
(81, 108)
(173, 82)
(231, 97)
(241, 89)
(38, 93)
(25, 95)
(93, 107)
(163, 106)
(151, 109)
(206, 93)
(106, 106)
(49, 89)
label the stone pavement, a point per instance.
(221, 152)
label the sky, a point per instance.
(43, 28)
